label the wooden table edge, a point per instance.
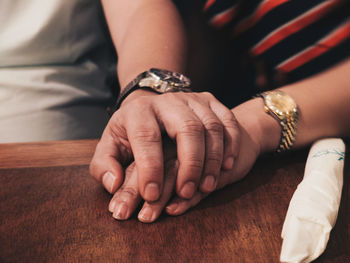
(46, 154)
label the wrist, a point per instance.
(136, 94)
(264, 130)
(157, 81)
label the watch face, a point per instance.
(280, 103)
(172, 78)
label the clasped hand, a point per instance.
(207, 142)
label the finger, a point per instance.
(231, 133)
(181, 123)
(178, 205)
(106, 164)
(152, 210)
(145, 139)
(214, 145)
(127, 198)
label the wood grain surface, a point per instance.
(46, 154)
(59, 214)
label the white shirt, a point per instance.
(56, 70)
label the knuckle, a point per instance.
(214, 158)
(118, 118)
(208, 95)
(150, 164)
(147, 135)
(129, 191)
(214, 125)
(192, 126)
(229, 120)
(116, 125)
(193, 164)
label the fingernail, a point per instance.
(172, 208)
(146, 214)
(188, 190)
(111, 206)
(228, 163)
(108, 180)
(120, 211)
(209, 183)
(152, 192)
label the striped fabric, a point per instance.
(292, 39)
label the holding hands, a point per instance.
(203, 139)
(213, 145)
(255, 132)
(128, 197)
(205, 131)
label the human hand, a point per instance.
(259, 133)
(127, 198)
(248, 153)
(205, 131)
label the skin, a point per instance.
(206, 132)
(325, 115)
(127, 198)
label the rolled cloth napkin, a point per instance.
(313, 210)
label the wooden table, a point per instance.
(51, 210)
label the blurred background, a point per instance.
(215, 62)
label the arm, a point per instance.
(324, 104)
(148, 33)
(324, 113)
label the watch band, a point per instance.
(150, 81)
(288, 133)
(287, 119)
(128, 89)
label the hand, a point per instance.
(259, 133)
(127, 198)
(248, 153)
(199, 123)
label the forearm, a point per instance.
(146, 34)
(324, 104)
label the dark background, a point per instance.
(216, 62)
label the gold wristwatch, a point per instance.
(283, 108)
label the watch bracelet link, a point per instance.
(288, 125)
(288, 134)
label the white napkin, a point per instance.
(314, 206)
